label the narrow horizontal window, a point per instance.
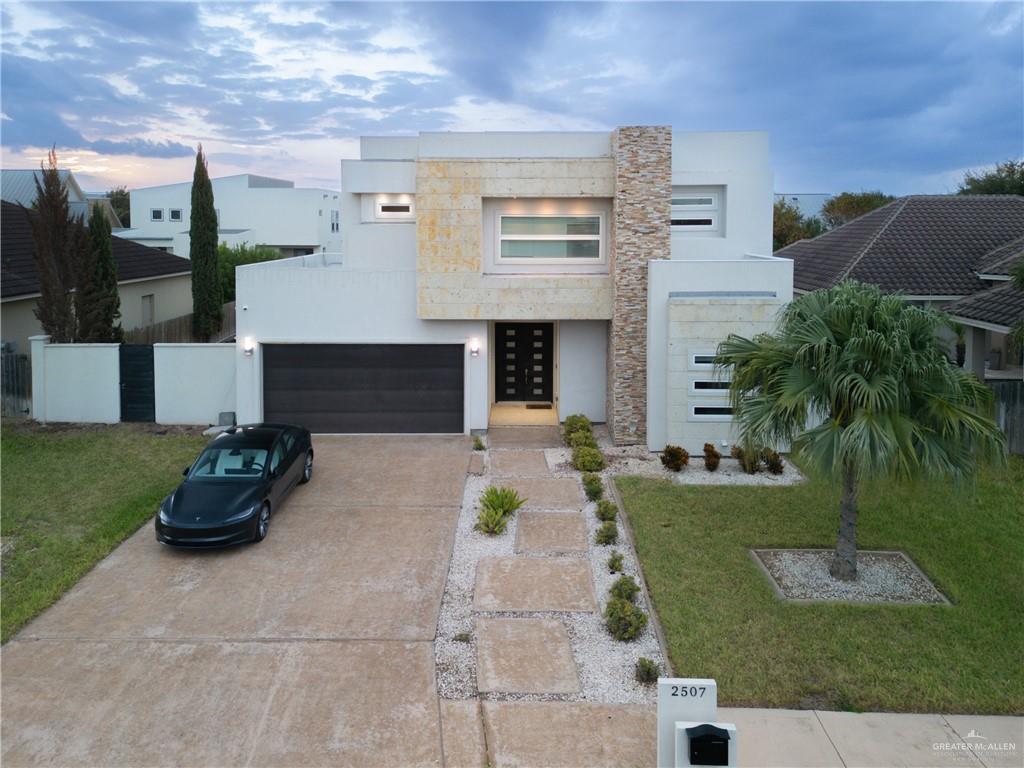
(402, 209)
(712, 410)
(555, 238)
(693, 222)
(702, 359)
(395, 209)
(694, 202)
(703, 385)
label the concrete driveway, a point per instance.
(311, 648)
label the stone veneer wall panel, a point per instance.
(641, 232)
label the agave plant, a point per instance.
(858, 382)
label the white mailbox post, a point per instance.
(686, 706)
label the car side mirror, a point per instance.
(185, 471)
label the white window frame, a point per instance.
(714, 392)
(712, 206)
(601, 260)
(179, 211)
(711, 211)
(695, 366)
(694, 416)
(159, 214)
(383, 215)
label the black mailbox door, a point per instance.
(709, 745)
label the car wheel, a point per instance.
(262, 524)
(307, 471)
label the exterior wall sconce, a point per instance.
(248, 345)
(474, 347)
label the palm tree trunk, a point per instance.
(844, 564)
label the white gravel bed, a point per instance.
(637, 460)
(605, 665)
(882, 577)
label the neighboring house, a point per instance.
(153, 285)
(808, 203)
(496, 278)
(19, 186)
(953, 252)
(257, 210)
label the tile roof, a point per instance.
(923, 245)
(19, 275)
(1002, 305)
(999, 260)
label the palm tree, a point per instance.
(859, 384)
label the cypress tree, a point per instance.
(59, 245)
(101, 305)
(207, 302)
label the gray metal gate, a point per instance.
(1009, 407)
(16, 377)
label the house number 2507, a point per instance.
(695, 691)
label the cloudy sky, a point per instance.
(897, 96)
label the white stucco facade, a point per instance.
(257, 210)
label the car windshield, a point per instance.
(229, 463)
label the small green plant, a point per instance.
(749, 460)
(583, 438)
(575, 423)
(735, 452)
(712, 458)
(478, 444)
(491, 520)
(505, 500)
(593, 486)
(462, 637)
(606, 510)
(607, 534)
(587, 459)
(674, 458)
(772, 461)
(646, 671)
(625, 588)
(624, 620)
(615, 562)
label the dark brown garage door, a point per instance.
(364, 387)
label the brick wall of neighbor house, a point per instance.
(641, 232)
(449, 252)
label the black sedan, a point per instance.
(236, 484)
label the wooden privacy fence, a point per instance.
(16, 383)
(1009, 407)
(178, 330)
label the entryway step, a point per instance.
(524, 656)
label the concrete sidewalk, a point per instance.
(576, 734)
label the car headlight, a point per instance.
(249, 512)
(164, 514)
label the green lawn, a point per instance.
(69, 496)
(722, 620)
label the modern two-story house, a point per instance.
(518, 278)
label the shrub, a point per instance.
(749, 461)
(772, 461)
(646, 671)
(607, 534)
(625, 588)
(587, 459)
(575, 423)
(615, 562)
(735, 452)
(606, 510)
(624, 620)
(712, 457)
(504, 500)
(478, 444)
(491, 520)
(581, 439)
(593, 486)
(462, 637)
(674, 458)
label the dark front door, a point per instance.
(365, 387)
(138, 401)
(523, 362)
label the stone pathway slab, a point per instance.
(524, 656)
(559, 532)
(547, 493)
(533, 584)
(519, 464)
(887, 740)
(462, 730)
(524, 437)
(569, 735)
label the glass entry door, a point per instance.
(524, 362)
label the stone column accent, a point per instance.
(641, 231)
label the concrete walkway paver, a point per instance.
(547, 492)
(881, 740)
(462, 730)
(781, 738)
(519, 464)
(524, 437)
(524, 656)
(553, 532)
(533, 584)
(987, 734)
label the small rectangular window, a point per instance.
(703, 385)
(156, 214)
(555, 238)
(698, 211)
(395, 208)
(402, 209)
(695, 202)
(148, 309)
(702, 360)
(175, 214)
(711, 412)
(694, 223)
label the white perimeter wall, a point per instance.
(194, 383)
(282, 302)
(583, 368)
(747, 282)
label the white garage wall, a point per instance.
(284, 302)
(582, 368)
(78, 382)
(194, 383)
